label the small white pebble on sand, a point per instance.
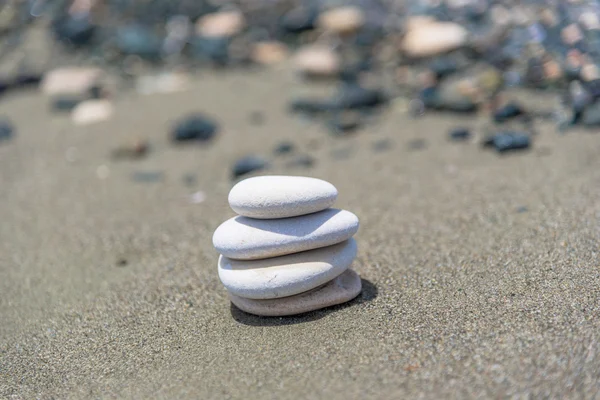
(317, 60)
(92, 111)
(70, 80)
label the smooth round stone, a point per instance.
(432, 38)
(284, 276)
(268, 197)
(244, 238)
(346, 19)
(92, 111)
(318, 61)
(340, 290)
(221, 24)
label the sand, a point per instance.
(109, 287)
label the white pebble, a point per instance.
(340, 290)
(250, 239)
(286, 275)
(268, 197)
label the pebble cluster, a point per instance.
(287, 252)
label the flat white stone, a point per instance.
(70, 80)
(267, 197)
(284, 276)
(92, 111)
(428, 38)
(340, 290)
(244, 238)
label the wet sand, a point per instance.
(480, 271)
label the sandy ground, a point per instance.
(464, 296)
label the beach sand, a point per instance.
(480, 271)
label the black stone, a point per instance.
(430, 97)
(140, 41)
(459, 134)
(284, 148)
(311, 106)
(195, 127)
(247, 165)
(215, 49)
(75, 30)
(592, 88)
(6, 130)
(26, 79)
(508, 111)
(509, 141)
(443, 66)
(351, 73)
(534, 74)
(299, 20)
(65, 103)
(356, 97)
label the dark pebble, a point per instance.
(429, 97)
(417, 144)
(140, 41)
(508, 141)
(443, 66)
(195, 127)
(508, 111)
(75, 30)
(459, 134)
(147, 176)
(311, 106)
(65, 102)
(122, 262)
(6, 130)
(215, 49)
(351, 73)
(592, 88)
(284, 148)
(534, 75)
(382, 145)
(356, 97)
(247, 165)
(304, 161)
(26, 79)
(299, 20)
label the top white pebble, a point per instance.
(270, 197)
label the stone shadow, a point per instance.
(369, 292)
